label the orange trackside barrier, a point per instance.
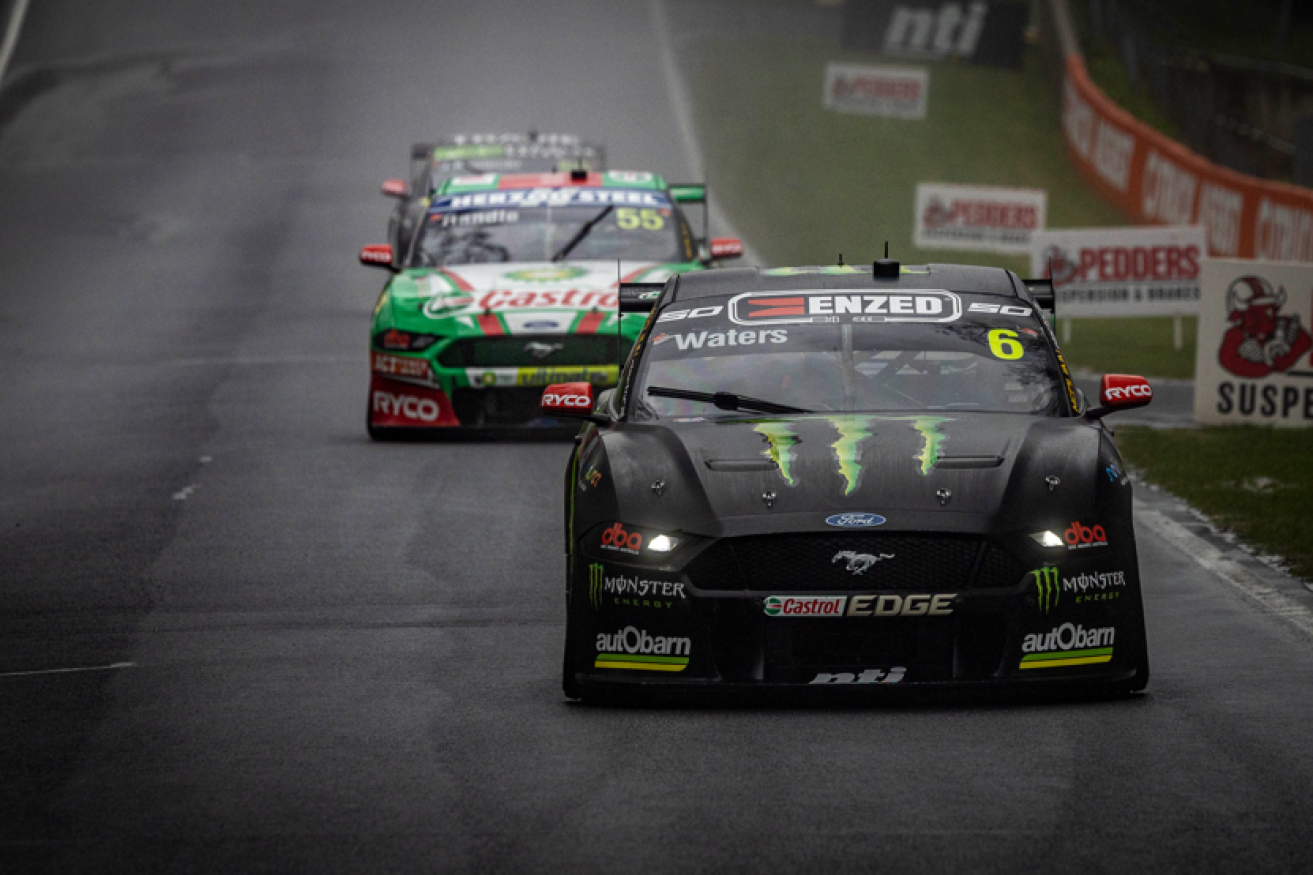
(1158, 181)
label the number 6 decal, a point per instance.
(1003, 344)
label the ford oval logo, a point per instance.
(541, 326)
(855, 520)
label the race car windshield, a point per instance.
(538, 233)
(973, 362)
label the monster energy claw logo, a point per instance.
(1047, 588)
(595, 585)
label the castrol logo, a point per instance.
(805, 606)
(406, 406)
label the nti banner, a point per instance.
(888, 91)
(1108, 272)
(937, 30)
(1254, 362)
(977, 217)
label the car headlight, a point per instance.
(1047, 539)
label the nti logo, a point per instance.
(930, 33)
(1047, 589)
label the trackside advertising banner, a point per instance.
(887, 91)
(1156, 180)
(977, 32)
(979, 217)
(1110, 272)
(1254, 362)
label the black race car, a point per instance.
(433, 163)
(846, 477)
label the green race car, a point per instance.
(510, 284)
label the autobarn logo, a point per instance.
(635, 649)
(409, 407)
(793, 308)
(805, 606)
(1070, 644)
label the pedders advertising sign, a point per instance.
(1254, 360)
(1111, 272)
(977, 217)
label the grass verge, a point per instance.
(805, 184)
(1256, 481)
(1131, 346)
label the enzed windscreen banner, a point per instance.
(937, 30)
(1113, 272)
(1254, 362)
(895, 92)
(977, 217)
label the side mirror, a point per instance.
(1121, 392)
(377, 256)
(571, 399)
(726, 247)
(396, 188)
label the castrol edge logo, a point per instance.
(801, 307)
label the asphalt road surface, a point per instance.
(289, 649)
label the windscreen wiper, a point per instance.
(724, 400)
(582, 233)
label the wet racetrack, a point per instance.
(312, 653)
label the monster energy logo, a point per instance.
(595, 585)
(1047, 588)
(853, 431)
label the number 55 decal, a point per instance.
(1003, 344)
(628, 219)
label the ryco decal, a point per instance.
(400, 404)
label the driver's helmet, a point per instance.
(1251, 291)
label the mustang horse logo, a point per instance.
(859, 562)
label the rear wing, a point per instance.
(1042, 292)
(639, 297)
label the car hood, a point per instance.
(521, 298)
(947, 471)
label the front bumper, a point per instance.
(1030, 633)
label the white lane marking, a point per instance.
(11, 36)
(683, 110)
(110, 667)
(1213, 560)
(185, 493)
(269, 360)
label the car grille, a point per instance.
(553, 351)
(819, 562)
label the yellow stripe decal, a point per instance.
(1058, 663)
